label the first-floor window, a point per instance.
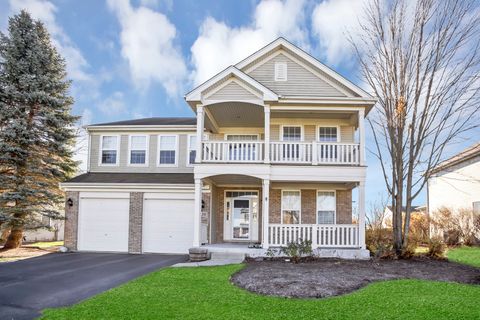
(291, 205)
(138, 149)
(168, 150)
(109, 149)
(192, 149)
(326, 207)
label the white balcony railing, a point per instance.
(321, 235)
(288, 152)
(232, 151)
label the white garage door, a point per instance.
(103, 222)
(167, 225)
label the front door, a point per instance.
(241, 219)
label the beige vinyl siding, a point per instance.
(152, 154)
(233, 92)
(300, 81)
(347, 134)
(309, 133)
(274, 132)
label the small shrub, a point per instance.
(410, 250)
(380, 242)
(436, 248)
(297, 250)
(457, 227)
(271, 252)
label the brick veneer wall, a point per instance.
(71, 220)
(344, 206)
(309, 206)
(135, 222)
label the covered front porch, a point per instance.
(241, 212)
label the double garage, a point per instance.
(163, 222)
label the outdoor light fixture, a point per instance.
(203, 204)
(70, 202)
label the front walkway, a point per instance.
(62, 279)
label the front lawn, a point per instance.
(206, 293)
(466, 255)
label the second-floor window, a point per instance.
(109, 149)
(138, 150)
(192, 149)
(291, 204)
(167, 146)
(327, 134)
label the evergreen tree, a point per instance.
(36, 128)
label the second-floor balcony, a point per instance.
(281, 152)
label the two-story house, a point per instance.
(272, 156)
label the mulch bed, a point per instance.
(331, 277)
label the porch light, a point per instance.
(70, 202)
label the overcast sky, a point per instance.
(134, 59)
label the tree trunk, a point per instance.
(14, 239)
(4, 235)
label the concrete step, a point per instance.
(234, 256)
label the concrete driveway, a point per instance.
(61, 279)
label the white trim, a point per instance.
(241, 134)
(277, 67)
(302, 131)
(281, 204)
(147, 145)
(117, 158)
(257, 94)
(317, 191)
(317, 132)
(196, 94)
(89, 151)
(188, 164)
(176, 150)
(231, 212)
(141, 128)
(281, 42)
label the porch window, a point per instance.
(292, 133)
(192, 149)
(327, 134)
(291, 205)
(167, 146)
(326, 207)
(242, 150)
(138, 150)
(109, 150)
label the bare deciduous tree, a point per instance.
(421, 59)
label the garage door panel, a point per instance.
(168, 225)
(103, 224)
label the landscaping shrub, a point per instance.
(436, 248)
(297, 250)
(380, 242)
(457, 227)
(419, 228)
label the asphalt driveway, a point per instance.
(61, 279)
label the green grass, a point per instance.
(46, 244)
(206, 293)
(466, 255)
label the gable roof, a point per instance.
(463, 156)
(283, 43)
(155, 121)
(196, 94)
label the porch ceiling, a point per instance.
(235, 179)
(237, 114)
(315, 114)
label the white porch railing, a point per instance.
(291, 152)
(232, 151)
(337, 153)
(321, 235)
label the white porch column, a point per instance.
(265, 210)
(200, 125)
(267, 134)
(361, 214)
(361, 129)
(197, 213)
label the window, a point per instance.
(327, 134)
(326, 207)
(192, 149)
(167, 146)
(242, 137)
(291, 205)
(280, 71)
(109, 146)
(138, 150)
(242, 151)
(292, 133)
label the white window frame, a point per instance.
(147, 144)
(158, 151)
(281, 204)
(278, 65)
(316, 204)
(302, 132)
(188, 164)
(100, 164)
(317, 138)
(241, 134)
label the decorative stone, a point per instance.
(198, 254)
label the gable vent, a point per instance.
(280, 71)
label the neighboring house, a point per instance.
(277, 145)
(53, 233)
(455, 183)
(388, 214)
